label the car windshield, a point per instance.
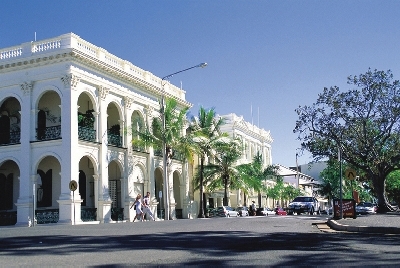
(303, 199)
(365, 204)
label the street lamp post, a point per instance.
(164, 142)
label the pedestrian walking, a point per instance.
(146, 206)
(138, 207)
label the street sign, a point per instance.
(350, 174)
(73, 185)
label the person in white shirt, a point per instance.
(146, 206)
(138, 208)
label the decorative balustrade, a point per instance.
(70, 41)
(86, 134)
(48, 133)
(114, 140)
(47, 216)
(88, 214)
(46, 45)
(9, 53)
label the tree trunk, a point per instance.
(259, 199)
(201, 211)
(245, 198)
(379, 186)
(226, 190)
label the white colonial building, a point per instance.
(69, 110)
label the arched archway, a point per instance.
(49, 116)
(10, 121)
(114, 135)
(86, 119)
(9, 192)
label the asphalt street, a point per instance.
(268, 241)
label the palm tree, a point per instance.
(223, 169)
(254, 174)
(204, 131)
(172, 134)
(175, 120)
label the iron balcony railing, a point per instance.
(14, 138)
(48, 133)
(47, 216)
(88, 214)
(86, 134)
(114, 140)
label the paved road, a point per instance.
(274, 240)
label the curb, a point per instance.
(362, 229)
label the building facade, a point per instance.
(253, 140)
(69, 111)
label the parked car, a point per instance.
(226, 211)
(264, 211)
(394, 206)
(304, 204)
(365, 208)
(280, 211)
(243, 211)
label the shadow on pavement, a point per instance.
(322, 248)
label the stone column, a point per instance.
(25, 199)
(104, 201)
(69, 133)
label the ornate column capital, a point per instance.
(128, 102)
(27, 87)
(103, 91)
(70, 80)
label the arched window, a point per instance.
(82, 187)
(6, 191)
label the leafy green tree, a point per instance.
(204, 132)
(223, 169)
(330, 186)
(393, 186)
(364, 123)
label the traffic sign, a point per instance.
(350, 174)
(73, 185)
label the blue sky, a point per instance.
(269, 55)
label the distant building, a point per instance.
(254, 140)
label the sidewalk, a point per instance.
(388, 223)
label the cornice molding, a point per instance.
(91, 62)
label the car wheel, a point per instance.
(290, 213)
(312, 211)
